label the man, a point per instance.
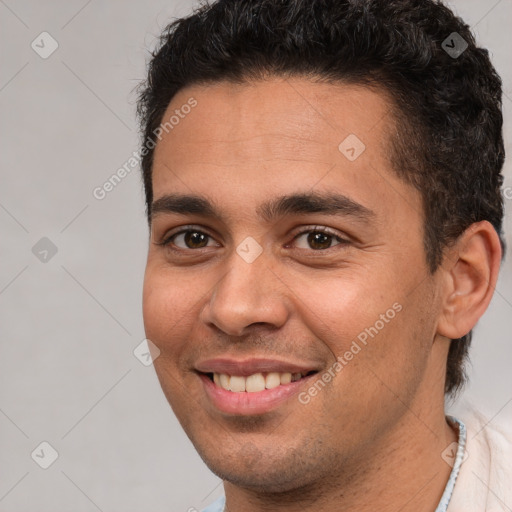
(323, 193)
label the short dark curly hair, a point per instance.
(447, 141)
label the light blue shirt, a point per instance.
(218, 505)
(459, 456)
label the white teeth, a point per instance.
(223, 381)
(286, 378)
(273, 380)
(237, 383)
(256, 382)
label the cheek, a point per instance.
(339, 306)
(166, 305)
(168, 311)
(373, 327)
(167, 293)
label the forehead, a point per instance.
(276, 118)
(242, 143)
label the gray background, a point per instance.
(69, 325)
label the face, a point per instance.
(287, 259)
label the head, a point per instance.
(269, 97)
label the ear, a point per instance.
(470, 271)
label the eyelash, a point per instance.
(326, 231)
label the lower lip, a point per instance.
(243, 403)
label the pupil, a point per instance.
(319, 240)
(194, 239)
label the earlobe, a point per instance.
(470, 269)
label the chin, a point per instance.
(267, 469)
(259, 478)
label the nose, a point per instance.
(247, 294)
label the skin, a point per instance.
(372, 438)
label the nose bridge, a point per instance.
(248, 293)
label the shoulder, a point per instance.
(483, 483)
(489, 434)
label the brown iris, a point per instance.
(319, 240)
(195, 239)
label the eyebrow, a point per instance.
(292, 204)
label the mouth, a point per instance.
(256, 382)
(256, 393)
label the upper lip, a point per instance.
(247, 367)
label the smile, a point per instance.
(256, 382)
(250, 395)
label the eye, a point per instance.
(188, 239)
(318, 239)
